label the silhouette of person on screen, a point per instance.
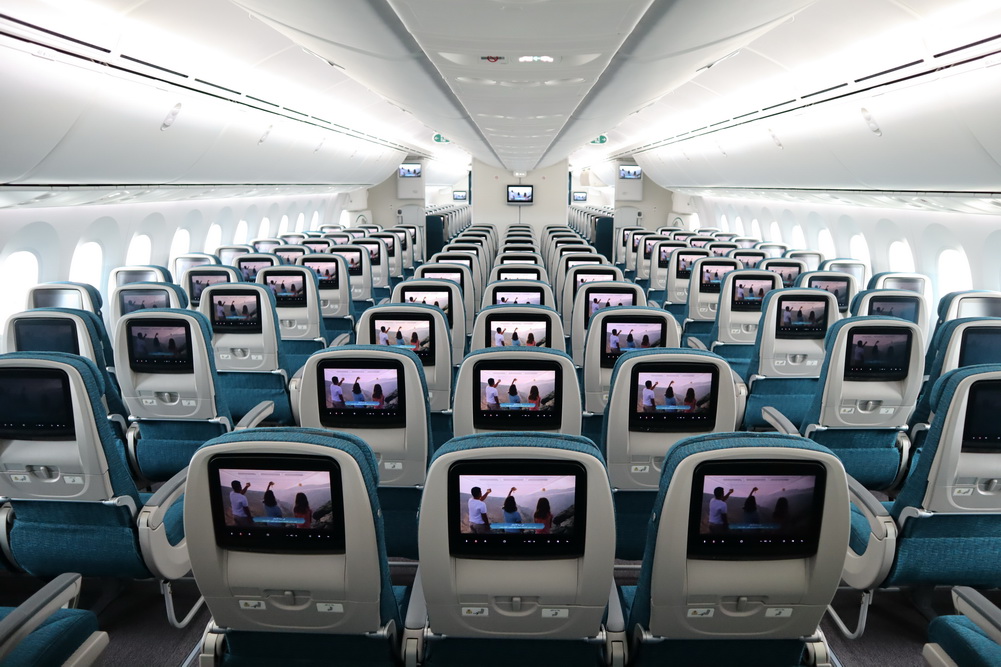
(302, 510)
(751, 508)
(378, 397)
(238, 502)
(649, 396)
(718, 522)
(534, 398)
(356, 391)
(271, 508)
(336, 393)
(543, 515)
(512, 394)
(530, 341)
(511, 512)
(478, 521)
(493, 395)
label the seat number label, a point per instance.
(475, 611)
(253, 604)
(555, 613)
(701, 612)
(330, 607)
(778, 612)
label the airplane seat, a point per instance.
(334, 287)
(857, 268)
(463, 277)
(947, 515)
(523, 325)
(788, 353)
(657, 398)
(718, 584)
(678, 280)
(571, 258)
(579, 275)
(738, 316)
(168, 378)
(73, 504)
(250, 357)
(422, 329)
(658, 270)
(539, 566)
(379, 266)
(592, 298)
(966, 303)
(46, 630)
(958, 343)
(359, 273)
(65, 294)
(613, 333)
(865, 396)
(533, 389)
(442, 293)
(705, 288)
(138, 273)
(472, 283)
(143, 295)
(189, 260)
(885, 302)
(289, 595)
(972, 637)
(377, 393)
(197, 278)
(75, 332)
(297, 303)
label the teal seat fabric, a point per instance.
(964, 642)
(54, 641)
(791, 396)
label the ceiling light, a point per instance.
(536, 59)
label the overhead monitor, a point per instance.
(579, 196)
(630, 172)
(277, 504)
(361, 393)
(410, 170)
(460, 195)
(673, 397)
(756, 510)
(520, 194)
(518, 510)
(519, 395)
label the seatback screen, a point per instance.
(326, 272)
(56, 298)
(517, 395)
(289, 288)
(512, 330)
(35, 404)
(46, 334)
(199, 280)
(159, 346)
(904, 307)
(235, 311)
(429, 296)
(365, 393)
(836, 286)
(622, 334)
(980, 345)
(801, 317)
(131, 300)
(877, 353)
(674, 397)
(519, 296)
(409, 331)
(982, 429)
(748, 293)
(599, 298)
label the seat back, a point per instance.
(80, 296)
(334, 284)
(659, 397)
(679, 273)
(197, 278)
(421, 329)
(787, 269)
(145, 273)
(842, 285)
(746, 524)
(590, 299)
(377, 393)
(467, 260)
(789, 344)
(495, 579)
(518, 293)
(855, 267)
(905, 304)
(133, 297)
(244, 324)
(622, 245)
(189, 260)
(250, 264)
(705, 286)
(448, 296)
(166, 367)
(577, 276)
(969, 303)
(645, 252)
(516, 389)
(463, 277)
(898, 280)
(297, 301)
(310, 557)
(660, 261)
(505, 325)
(379, 261)
(739, 311)
(871, 374)
(266, 245)
(813, 258)
(615, 332)
(359, 269)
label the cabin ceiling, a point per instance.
(390, 74)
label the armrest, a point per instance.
(257, 414)
(779, 421)
(340, 339)
(977, 608)
(165, 560)
(867, 570)
(696, 343)
(21, 622)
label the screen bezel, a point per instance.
(253, 326)
(749, 305)
(184, 365)
(741, 548)
(511, 546)
(517, 420)
(360, 417)
(513, 189)
(964, 344)
(426, 355)
(324, 283)
(876, 375)
(666, 422)
(608, 359)
(818, 331)
(491, 318)
(270, 539)
(588, 291)
(841, 298)
(301, 301)
(520, 289)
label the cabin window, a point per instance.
(738, 226)
(776, 232)
(300, 222)
(213, 239)
(901, 258)
(283, 225)
(179, 246)
(953, 272)
(140, 250)
(264, 231)
(825, 244)
(240, 236)
(756, 228)
(345, 219)
(314, 222)
(87, 264)
(859, 250)
(798, 238)
(18, 273)
(724, 224)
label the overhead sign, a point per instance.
(602, 139)
(439, 138)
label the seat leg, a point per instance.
(862, 616)
(168, 598)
